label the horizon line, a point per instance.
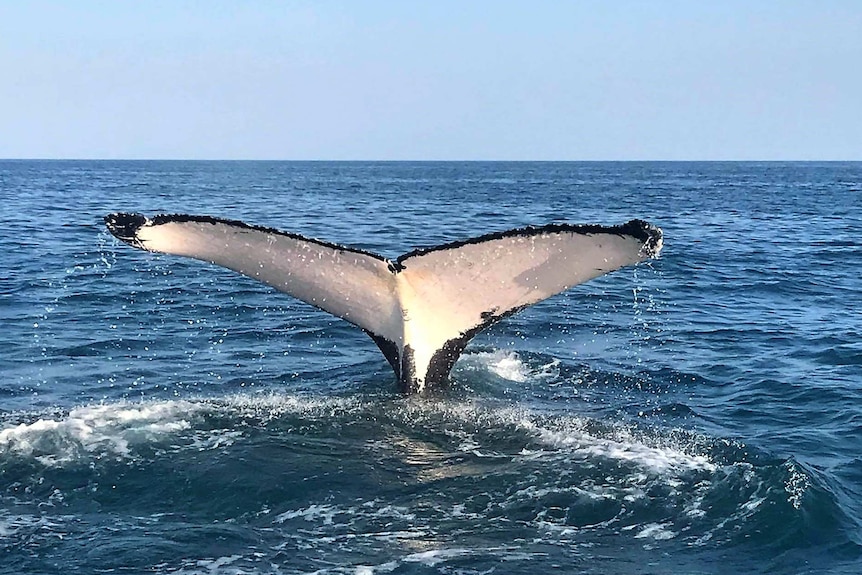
(431, 161)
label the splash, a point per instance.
(509, 365)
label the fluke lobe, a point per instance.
(422, 308)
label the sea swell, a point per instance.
(698, 415)
(382, 482)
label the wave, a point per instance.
(394, 479)
(94, 432)
(436, 436)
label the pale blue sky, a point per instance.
(435, 80)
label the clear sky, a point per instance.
(434, 80)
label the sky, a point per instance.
(431, 80)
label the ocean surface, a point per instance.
(698, 414)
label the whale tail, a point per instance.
(422, 308)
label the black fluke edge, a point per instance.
(125, 226)
(646, 233)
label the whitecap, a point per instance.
(312, 513)
(436, 556)
(102, 430)
(112, 430)
(657, 531)
(664, 457)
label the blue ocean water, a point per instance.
(700, 414)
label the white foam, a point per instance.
(663, 454)
(795, 485)
(268, 406)
(311, 513)
(657, 531)
(436, 556)
(217, 566)
(101, 429)
(621, 445)
(112, 430)
(387, 567)
(509, 365)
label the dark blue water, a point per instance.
(700, 414)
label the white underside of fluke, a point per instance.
(422, 308)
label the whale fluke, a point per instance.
(422, 308)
